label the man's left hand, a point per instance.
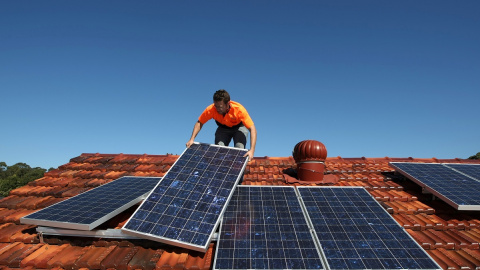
(250, 155)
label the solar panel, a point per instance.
(355, 232)
(184, 209)
(472, 170)
(455, 188)
(91, 208)
(265, 228)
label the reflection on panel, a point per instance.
(184, 208)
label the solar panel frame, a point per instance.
(265, 227)
(456, 188)
(172, 212)
(90, 209)
(350, 237)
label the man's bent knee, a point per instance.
(240, 145)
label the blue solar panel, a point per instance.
(184, 209)
(455, 188)
(90, 209)
(472, 170)
(265, 228)
(355, 232)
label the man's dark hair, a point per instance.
(221, 94)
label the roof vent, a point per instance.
(310, 157)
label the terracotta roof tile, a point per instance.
(15, 216)
(93, 257)
(42, 256)
(79, 182)
(5, 212)
(7, 230)
(28, 236)
(450, 236)
(412, 207)
(146, 167)
(145, 259)
(155, 160)
(178, 259)
(440, 240)
(182, 259)
(167, 260)
(39, 191)
(454, 257)
(73, 191)
(148, 174)
(11, 202)
(80, 158)
(406, 222)
(424, 222)
(66, 258)
(115, 174)
(444, 261)
(465, 240)
(58, 191)
(8, 251)
(471, 255)
(50, 181)
(99, 159)
(43, 181)
(21, 191)
(49, 201)
(119, 257)
(96, 182)
(439, 223)
(5, 247)
(31, 202)
(121, 158)
(17, 254)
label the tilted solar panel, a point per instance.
(456, 189)
(472, 170)
(184, 209)
(355, 232)
(92, 208)
(265, 228)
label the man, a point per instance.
(233, 123)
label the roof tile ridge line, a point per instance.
(455, 170)
(123, 154)
(271, 158)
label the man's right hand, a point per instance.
(196, 128)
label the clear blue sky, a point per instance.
(366, 78)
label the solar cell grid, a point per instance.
(184, 208)
(357, 233)
(90, 209)
(472, 170)
(455, 188)
(265, 228)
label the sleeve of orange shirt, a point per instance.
(207, 114)
(246, 119)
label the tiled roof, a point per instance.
(451, 237)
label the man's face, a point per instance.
(221, 107)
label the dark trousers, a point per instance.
(224, 135)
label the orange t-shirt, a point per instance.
(236, 115)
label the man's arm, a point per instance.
(253, 142)
(196, 128)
